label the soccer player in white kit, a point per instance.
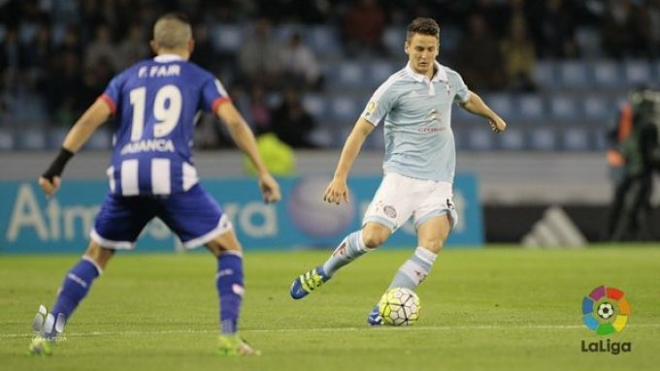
(414, 104)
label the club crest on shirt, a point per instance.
(371, 108)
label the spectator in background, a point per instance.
(65, 87)
(479, 56)
(204, 50)
(259, 110)
(633, 157)
(291, 123)
(554, 29)
(101, 48)
(364, 26)
(71, 42)
(653, 14)
(133, 48)
(622, 29)
(299, 63)
(37, 56)
(519, 57)
(259, 57)
(10, 59)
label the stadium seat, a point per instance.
(315, 105)
(564, 108)
(544, 74)
(32, 139)
(575, 139)
(574, 74)
(530, 108)
(56, 137)
(589, 42)
(637, 73)
(607, 74)
(351, 74)
(501, 103)
(101, 140)
(323, 40)
(323, 135)
(6, 140)
(597, 108)
(379, 71)
(543, 139)
(394, 37)
(513, 140)
(599, 140)
(344, 110)
(480, 139)
(461, 117)
(228, 37)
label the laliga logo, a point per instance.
(606, 311)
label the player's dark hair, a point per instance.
(423, 26)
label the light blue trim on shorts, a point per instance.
(380, 220)
(452, 217)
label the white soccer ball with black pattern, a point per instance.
(605, 310)
(399, 307)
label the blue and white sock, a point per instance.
(75, 287)
(351, 248)
(229, 282)
(415, 270)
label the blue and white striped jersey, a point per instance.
(156, 102)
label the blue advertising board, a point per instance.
(30, 223)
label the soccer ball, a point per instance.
(605, 310)
(399, 307)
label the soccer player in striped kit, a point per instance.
(156, 103)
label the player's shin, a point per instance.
(351, 248)
(75, 287)
(414, 270)
(229, 282)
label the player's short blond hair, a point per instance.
(172, 31)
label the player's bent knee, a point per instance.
(375, 235)
(100, 255)
(226, 241)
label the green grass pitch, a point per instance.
(492, 309)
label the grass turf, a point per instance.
(493, 309)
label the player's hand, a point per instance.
(269, 189)
(336, 192)
(497, 124)
(50, 187)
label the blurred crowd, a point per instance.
(62, 53)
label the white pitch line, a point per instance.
(329, 329)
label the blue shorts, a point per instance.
(194, 216)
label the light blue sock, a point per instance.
(415, 270)
(351, 248)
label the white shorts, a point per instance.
(400, 197)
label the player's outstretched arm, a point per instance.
(337, 190)
(477, 106)
(244, 139)
(79, 134)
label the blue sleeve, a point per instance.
(213, 94)
(380, 104)
(112, 94)
(461, 91)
